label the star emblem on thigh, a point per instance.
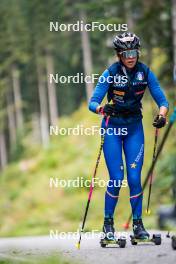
(133, 165)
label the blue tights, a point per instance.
(132, 143)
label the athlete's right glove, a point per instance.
(107, 110)
(159, 121)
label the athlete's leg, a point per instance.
(134, 153)
(112, 149)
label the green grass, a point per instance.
(16, 259)
(28, 206)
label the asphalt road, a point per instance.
(25, 248)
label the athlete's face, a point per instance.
(129, 58)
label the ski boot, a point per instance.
(109, 235)
(139, 230)
(141, 235)
(108, 228)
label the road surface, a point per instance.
(24, 248)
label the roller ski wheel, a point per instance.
(133, 240)
(156, 239)
(121, 242)
(174, 242)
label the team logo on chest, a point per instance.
(139, 76)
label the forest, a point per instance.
(31, 51)
(40, 48)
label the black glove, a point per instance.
(107, 110)
(159, 121)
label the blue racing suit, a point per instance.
(125, 88)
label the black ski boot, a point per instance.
(108, 229)
(139, 230)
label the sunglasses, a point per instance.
(129, 53)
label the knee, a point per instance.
(114, 185)
(115, 181)
(134, 182)
(113, 191)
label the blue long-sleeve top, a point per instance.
(101, 90)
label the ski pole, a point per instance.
(151, 175)
(92, 185)
(171, 122)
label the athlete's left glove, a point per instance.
(159, 121)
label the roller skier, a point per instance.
(124, 83)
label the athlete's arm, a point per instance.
(157, 94)
(99, 92)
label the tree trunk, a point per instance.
(129, 17)
(11, 119)
(17, 97)
(87, 55)
(3, 151)
(43, 106)
(174, 35)
(36, 135)
(53, 109)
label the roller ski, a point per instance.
(142, 236)
(109, 237)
